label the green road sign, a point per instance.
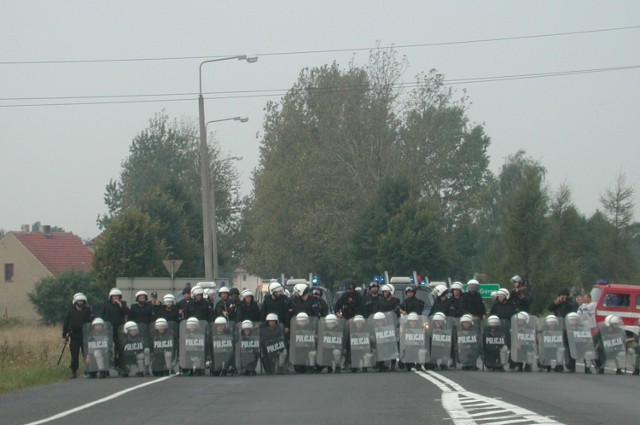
(487, 288)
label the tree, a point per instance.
(414, 240)
(161, 178)
(332, 144)
(52, 295)
(130, 246)
(617, 203)
(565, 243)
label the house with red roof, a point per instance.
(26, 257)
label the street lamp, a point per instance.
(208, 203)
(209, 216)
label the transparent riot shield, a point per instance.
(164, 348)
(222, 342)
(413, 340)
(360, 347)
(495, 343)
(248, 348)
(302, 343)
(193, 337)
(274, 351)
(580, 339)
(612, 339)
(98, 348)
(467, 343)
(385, 336)
(551, 348)
(523, 338)
(633, 358)
(331, 343)
(441, 331)
(135, 355)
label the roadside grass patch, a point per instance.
(28, 356)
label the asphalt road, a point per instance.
(450, 397)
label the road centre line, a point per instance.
(102, 400)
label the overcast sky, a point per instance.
(56, 160)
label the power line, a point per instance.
(306, 52)
(239, 94)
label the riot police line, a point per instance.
(331, 344)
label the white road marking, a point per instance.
(467, 408)
(102, 400)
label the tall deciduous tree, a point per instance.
(161, 178)
(130, 246)
(327, 150)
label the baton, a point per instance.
(66, 340)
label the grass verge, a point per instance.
(28, 356)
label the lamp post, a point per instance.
(208, 206)
(212, 199)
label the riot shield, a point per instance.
(274, 351)
(551, 350)
(223, 349)
(164, 344)
(331, 343)
(360, 349)
(193, 335)
(248, 348)
(385, 337)
(495, 343)
(468, 343)
(523, 338)
(580, 339)
(302, 343)
(98, 348)
(612, 339)
(441, 332)
(413, 340)
(135, 355)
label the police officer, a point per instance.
(504, 309)
(520, 294)
(142, 311)
(411, 303)
(198, 307)
(323, 307)
(277, 303)
(169, 311)
(472, 301)
(234, 296)
(441, 301)
(302, 302)
(561, 306)
(77, 315)
(456, 307)
(350, 303)
(114, 311)
(372, 299)
(223, 306)
(388, 301)
(182, 304)
(248, 308)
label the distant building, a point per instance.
(26, 257)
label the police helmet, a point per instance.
(247, 293)
(169, 299)
(412, 316)
(97, 321)
(272, 316)
(441, 290)
(193, 323)
(197, 290)
(457, 285)
(161, 323)
(130, 326)
(220, 321)
(551, 320)
(146, 297)
(439, 317)
(115, 292)
(79, 297)
(246, 324)
(493, 321)
(379, 315)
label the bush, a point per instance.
(52, 295)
